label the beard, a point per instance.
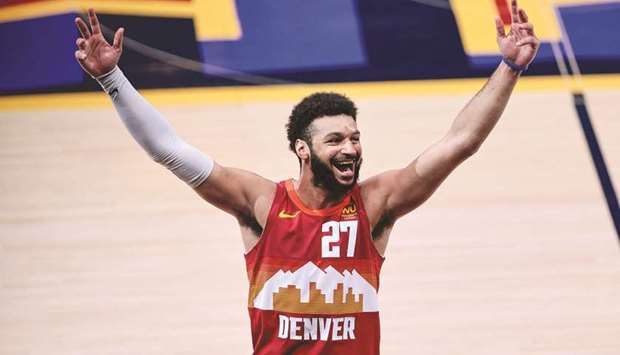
(323, 176)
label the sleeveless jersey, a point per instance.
(314, 276)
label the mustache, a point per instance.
(355, 160)
(323, 176)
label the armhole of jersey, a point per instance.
(357, 196)
(277, 200)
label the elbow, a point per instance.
(165, 157)
(465, 146)
(159, 156)
(162, 152)
(469, 148)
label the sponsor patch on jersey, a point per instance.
(287, 215)
(350, 211)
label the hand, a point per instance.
(95, 55)
(520, 44)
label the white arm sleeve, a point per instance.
(151, 130)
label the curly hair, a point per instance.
(317, 105)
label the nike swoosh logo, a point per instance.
(283, 214)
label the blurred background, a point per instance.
(182, 43)
(104, 252)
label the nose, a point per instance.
(348, 148)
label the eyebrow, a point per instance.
(338, 134)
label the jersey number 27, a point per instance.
(329, 248)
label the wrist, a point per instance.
(518, 69)
(111, 80)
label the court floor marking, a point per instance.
(275, 93)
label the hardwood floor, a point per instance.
(104, 252)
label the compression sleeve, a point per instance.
(154, 134)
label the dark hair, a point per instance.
(315, 106)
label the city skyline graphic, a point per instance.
(311, 290)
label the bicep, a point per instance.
(238, 192)
(402, 190)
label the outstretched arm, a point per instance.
(395, 193)
(238, 192)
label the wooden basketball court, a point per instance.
(104, 252)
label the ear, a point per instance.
(302, 149)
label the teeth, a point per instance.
(344, 165)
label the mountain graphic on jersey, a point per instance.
(310, 290)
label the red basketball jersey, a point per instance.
(314, 276)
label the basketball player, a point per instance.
(314, 245)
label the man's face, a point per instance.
(335, 153)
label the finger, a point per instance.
(94, 21)
(81, 43)
(515, 12)
(80, 55)
(514, 31)
(499, 25)
(527, 27)
(82, 27)
(523, 15)
(531, 40)
(118, 39)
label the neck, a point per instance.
(313, 196)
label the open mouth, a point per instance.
(345, 166)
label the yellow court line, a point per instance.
(274, 93)
(144, 8)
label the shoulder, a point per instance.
(375, 192)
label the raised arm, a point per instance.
(397, 192)
(245, 195)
